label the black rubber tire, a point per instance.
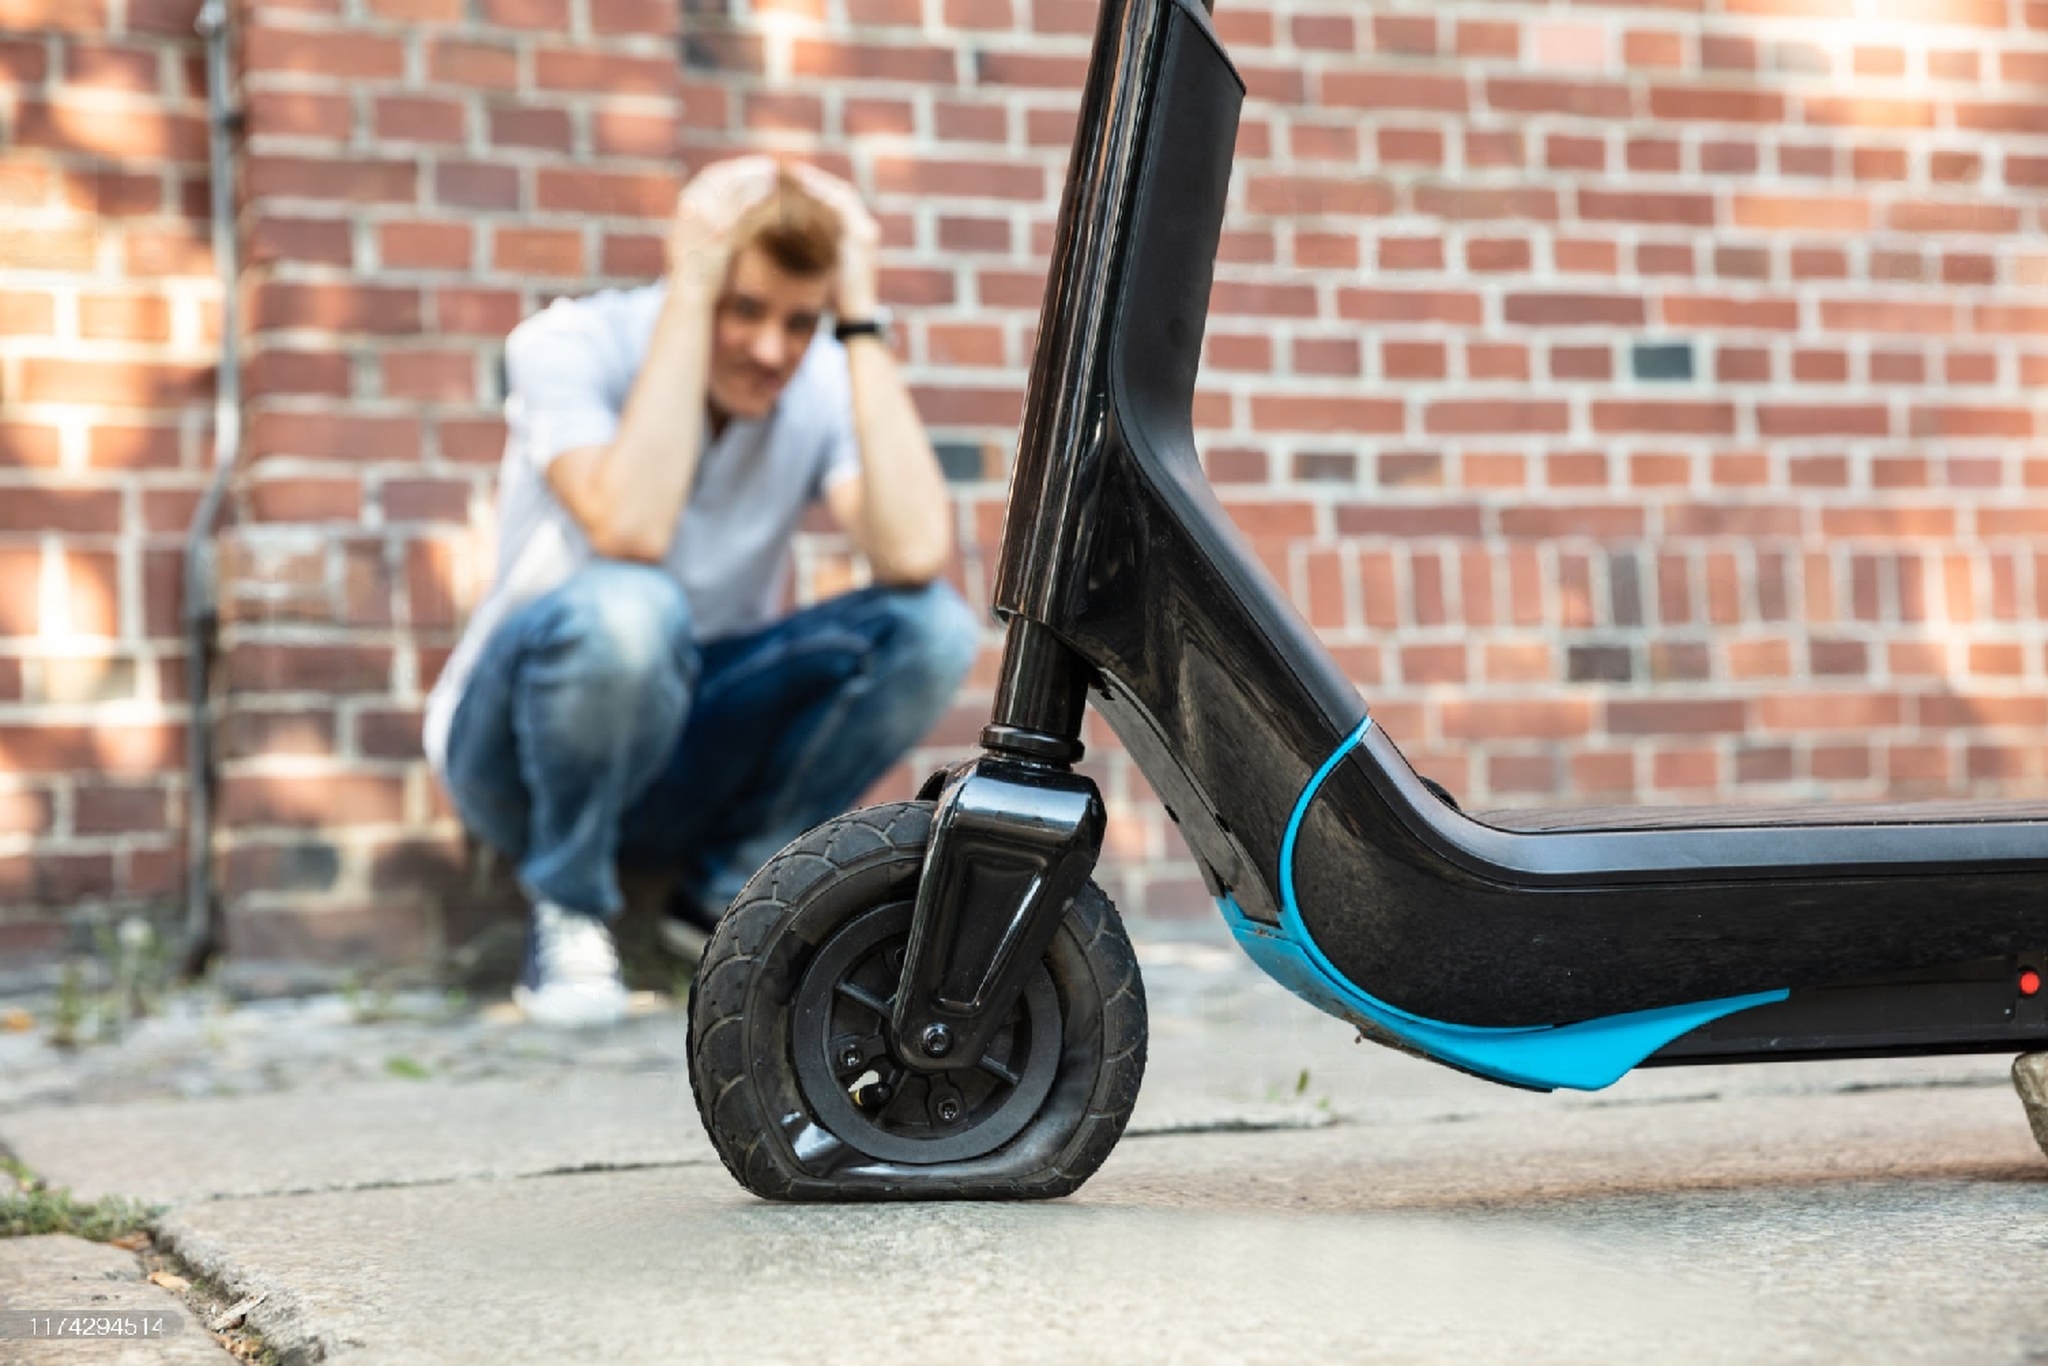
(743, 1071)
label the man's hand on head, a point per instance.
(860, 241)
(708, 213)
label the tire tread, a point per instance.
(730, 1105)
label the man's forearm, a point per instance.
(909, 533)
(633, 491)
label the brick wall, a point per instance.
(1638, 398)
(109, 335)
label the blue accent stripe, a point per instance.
(1584, 1056)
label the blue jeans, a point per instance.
(595, 731)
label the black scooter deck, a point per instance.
(1562, 820)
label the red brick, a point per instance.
(425, 500)
(1486, 39)
(387, 310)
(1403, 519)
(1409, 306)
(1574, 310)
(129, 134)
(1496, 361)
(1606, 523)
(1324, 32)
(297, 372)
(1850, 315)
(1277, 413)
(1720, 313)
(1862, 111)
(312, 799)
(477, 441)
(430, 376)
(1635, 206)
(633, 16)
(1586, 99)
(141, 384)
(1802, 213)
(927, 65)
(1956, 421)
(107, 66)
(1327, 357)
(1521, 720)
(474, 65)
(107, 748)
(75, 16)
(335, 436)
(538, 252)
(1471, 417)
(299, 499)
(352, 181)
(1821, 712)
(408, 118)
(1396, 88)
(1726, 105)
(547, 16)
(1409, 253)
(321, 241)
(602, 73)
(1665, 416)
(928, 177)
(126, 447)
(1314, 196)
(336, 55)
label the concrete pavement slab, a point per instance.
(1883, 1225)
(485, 1098)
(509, 1196)
(56, 1273)
(367, 1134)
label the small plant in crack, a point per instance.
(28, 1207)
(125, 979)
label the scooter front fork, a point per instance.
(1016, 834)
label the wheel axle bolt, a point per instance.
(938, 1041)
(949, 1110)
(850, 1058)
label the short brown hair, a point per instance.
(798, 231)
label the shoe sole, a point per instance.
(538, 1011)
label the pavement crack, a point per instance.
(420, 1182)
(1234, 1126)
(1857, 1088)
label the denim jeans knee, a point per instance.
(577, 700)
(630, 622)
(936, 639)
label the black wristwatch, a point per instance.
(876, 326)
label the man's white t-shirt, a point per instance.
(569, 370)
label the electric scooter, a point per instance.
(933, 1000)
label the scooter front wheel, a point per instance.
(791, 1066)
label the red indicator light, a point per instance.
(2030, 982)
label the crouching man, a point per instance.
(626, 691)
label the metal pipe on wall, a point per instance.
(201, 579)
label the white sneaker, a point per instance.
(571, 975)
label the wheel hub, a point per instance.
(866, 1096)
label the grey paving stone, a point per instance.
(1894, 1226)
(366, 1134)
(59, 1272)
